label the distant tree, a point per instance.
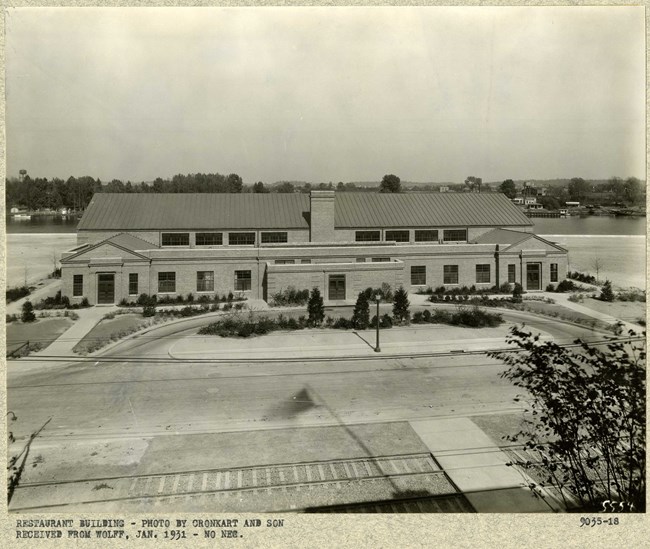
(315, 308)
(285, 187)
(259, 188)
(340, 186)
(633, 190)
(234, 183)
(361, 313)
(28, 312)
(607, 294)
(597, 265)
(584, 426)
(578, 188)
(390, 184)
(401, 305)
(508, 188)
(549, 202)
(474, 183)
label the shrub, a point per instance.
(246, 330)
(517, 292)
(230, 297)
(440, 290)
(418, 317)
(566, 286)
(149, 310)
(582, 277)
(631, 295)
(315, 308)
(14, 294)
(426, 315)
(84, 302)
(342, 323)
(576, 298)
(550, 288)
(607, 294)
(361, 313)
(401, 305)
(28, 312)
(290, 296)
(227, 306)
(505, 288)
(11, 318)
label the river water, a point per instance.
(618, 243)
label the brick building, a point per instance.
(259, 244)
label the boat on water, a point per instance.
(22, 216)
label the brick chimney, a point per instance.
(321, 225)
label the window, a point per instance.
(175, 239)
(166, 283)
(241, 239)
(361, 259)
(418, 275)
(133, 283)
(366, 236)
(242, 281)
(205, 281)
(454, 235)
(512, 273)
(553, 272)
(285, 261)
(77, 285)
(450, 274)
(482, 273)
(268, 238)
(209, 239)
(305, 261)
(397, 236)
(380, 259)
(426, 236)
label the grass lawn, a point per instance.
(551, 308)
(103, 331)
(630, 311)
(43, 331)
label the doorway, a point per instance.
(533, 276)
(106, 289)
(336, 287)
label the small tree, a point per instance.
(517, 293)
(361, 313)
(607, 294)
(401, 305)
(28, 312)
(390, 184)
(597, 265)
(315, 308)
(584, 427)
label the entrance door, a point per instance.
(533, 276)
(105, 289)
(337, 287)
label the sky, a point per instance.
(326, 94)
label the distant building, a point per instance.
(519, 201)
(530, 200)
(443, 189)
(256, 245)
(570, 204)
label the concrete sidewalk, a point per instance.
(477, 466)
(88, 319)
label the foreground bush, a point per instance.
(289, 296)
(582, 277)
(470, 317)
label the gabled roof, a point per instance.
(509, 238)
(503, 236)
(130, 242)
(426, 210)
(195, 211)
(160, 211)
(122, 241)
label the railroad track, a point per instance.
(377, 482)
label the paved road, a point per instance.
(105, 414)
